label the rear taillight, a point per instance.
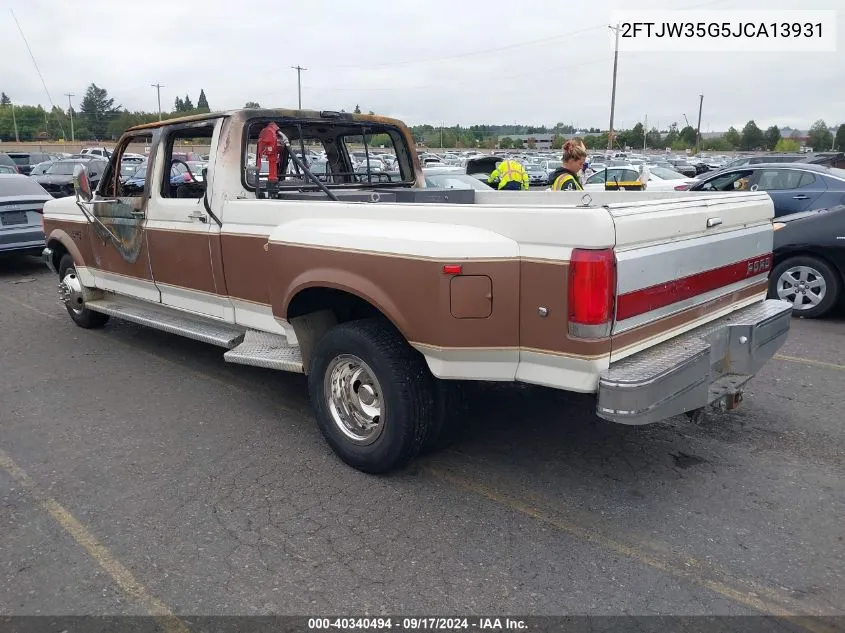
(682, 187)
(592, 291)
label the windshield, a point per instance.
(666, 174)
(21, 186)
(64, 168)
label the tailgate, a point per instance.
(685, 261)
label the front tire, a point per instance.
(70, 290)
(372, 394)
(808, 283)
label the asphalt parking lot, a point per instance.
(139, 474)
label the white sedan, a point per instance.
(660, 178)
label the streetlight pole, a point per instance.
(299, 70)
(70, 114)
(698, 128)
(158, 88)
(613, 93)
(15, 123)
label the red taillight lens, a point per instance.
(682, 187)
(592, 290)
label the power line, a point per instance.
(496, 49)
(38, 70)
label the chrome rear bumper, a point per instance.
(704, 366)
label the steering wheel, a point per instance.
(182, 162)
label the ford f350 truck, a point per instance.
(385, 293)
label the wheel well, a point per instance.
(314, 311)
(59, 251)
(345, 305)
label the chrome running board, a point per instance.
(262, 349)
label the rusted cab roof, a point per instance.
(244, 114)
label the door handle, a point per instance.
(800, 196)
(198, 215)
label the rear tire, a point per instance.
(74, 303)
(450, 411)
(816, 284)
(372, 394)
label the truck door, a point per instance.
(121, 257)
(184, 239)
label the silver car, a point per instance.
(21, 211)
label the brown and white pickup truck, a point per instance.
(387, 293)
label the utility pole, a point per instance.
(698, 129)
(158, 88)
(70, 113)
(15, 123)
(613, 93)
(299, 70)
(645, 131)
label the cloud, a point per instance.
(467, 62)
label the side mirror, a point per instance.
(82, 184)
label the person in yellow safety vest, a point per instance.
(574, 157)
(510, 174)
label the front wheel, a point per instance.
(372, 393)
(808, 283)
(71, 294)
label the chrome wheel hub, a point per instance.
(804, 287)
(70, 292)
(354, 399)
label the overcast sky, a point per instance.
(431, 61)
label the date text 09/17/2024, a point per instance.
(418, 624)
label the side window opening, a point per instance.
(126, 179)
(184, 174)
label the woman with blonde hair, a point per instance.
(574, 157)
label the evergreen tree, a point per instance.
(202, 102)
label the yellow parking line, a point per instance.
(809, 361)
(96, 550)
(741, 591)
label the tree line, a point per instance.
(99, 118)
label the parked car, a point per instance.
(58, 179)
(27, 160)
(793, 187)
(452, 178)
(21, 208)
(537, 174)
(40, 168)
(809, 260)
(8, 169)
(7, 161)
(101, 152)
(659, 179)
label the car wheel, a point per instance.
(808, 283)
(372, 393)
(71, 294)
